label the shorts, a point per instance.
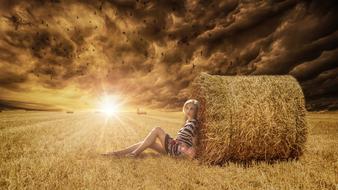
(171, 146)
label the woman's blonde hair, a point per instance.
(197, 106)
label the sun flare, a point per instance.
(109, 106)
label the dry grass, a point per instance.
(246, 118)
(46, 150)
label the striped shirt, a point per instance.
(187, 132)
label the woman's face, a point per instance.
(190, 110)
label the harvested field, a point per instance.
(56, 150)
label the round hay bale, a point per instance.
(243, 118)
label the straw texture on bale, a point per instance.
(243, 118)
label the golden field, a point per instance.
(56, 150)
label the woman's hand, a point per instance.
(188, 151)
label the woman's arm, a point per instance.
(194, 141)
(187, 151)
(190, 152)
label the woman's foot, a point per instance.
(116, 154)
(131, 155)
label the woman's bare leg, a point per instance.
(126, 150)
(158, 148)
(150, 139)
(155, 146)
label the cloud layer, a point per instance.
(150, 51)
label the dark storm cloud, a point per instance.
(12, 81)
(308, 70)
(152, 50)
(7, 56)
(13, 104)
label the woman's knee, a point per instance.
(157, 129)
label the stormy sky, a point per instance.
(62, 54)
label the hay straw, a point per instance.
(245, 118)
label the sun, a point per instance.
(109, 106)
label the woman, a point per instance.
(183, 145)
